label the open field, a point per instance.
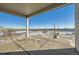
(37, 41)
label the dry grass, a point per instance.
(35, 43)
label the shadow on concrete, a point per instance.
(68, 51)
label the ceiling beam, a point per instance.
(53, 6)
(11, 12)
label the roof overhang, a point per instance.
(29, 9)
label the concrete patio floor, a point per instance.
(69, 51)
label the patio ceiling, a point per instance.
(28, 9)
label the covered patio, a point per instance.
(29, 10)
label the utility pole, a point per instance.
(55, 34)
(58, 31)
(54, 29)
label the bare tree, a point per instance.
(7, 33)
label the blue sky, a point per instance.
(62, 17)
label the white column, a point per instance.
(27, 27)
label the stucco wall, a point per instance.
(77, 26)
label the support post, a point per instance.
(77, 27)
(27, 27)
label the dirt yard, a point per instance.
(36, 43)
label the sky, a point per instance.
(62, 17)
